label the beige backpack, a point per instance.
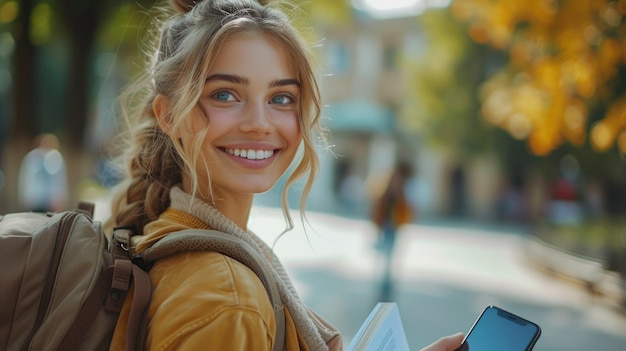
(63, 282)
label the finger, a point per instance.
(447, 343)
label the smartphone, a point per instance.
(499, 330)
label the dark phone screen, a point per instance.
(498, 330)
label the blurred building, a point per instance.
(363, 88)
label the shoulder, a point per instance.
(191, 275)
(204, 291)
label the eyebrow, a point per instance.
(284, 82)
(228, 77)
(244, 81)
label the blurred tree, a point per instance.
(564, 79)
(24, 59)
(313, 15)
(79, 24)
(324, 12)
(80, 21)
(16, 27)
(37, 28)
(451, 88)
(442, 104)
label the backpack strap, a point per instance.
(138, 316)
(213, 240)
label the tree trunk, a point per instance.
(22, 126)
(82, 20)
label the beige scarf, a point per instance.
(317, 333)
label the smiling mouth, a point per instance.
(250, 154)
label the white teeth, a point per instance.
(251, 154)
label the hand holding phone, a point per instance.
(499, 330)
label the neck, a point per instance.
(234, 206)
(236, 209)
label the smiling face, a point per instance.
(250, 102)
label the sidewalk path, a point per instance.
(445, 277)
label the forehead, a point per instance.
(253, 54)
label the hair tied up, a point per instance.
(183, 6)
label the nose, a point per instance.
(257, 119)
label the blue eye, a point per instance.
(224, 96)
(282, 99)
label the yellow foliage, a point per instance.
(621, 141)
(567, 52)
(602, 136)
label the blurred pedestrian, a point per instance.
(43, 177)
(565, 208)
(391, 210)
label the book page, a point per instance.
(381, 331)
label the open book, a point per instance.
(381, 331)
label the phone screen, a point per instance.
(497, 330)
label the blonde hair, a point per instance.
(188, 44)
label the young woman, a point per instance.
(220, 115)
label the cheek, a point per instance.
(291, 126)
(198, 120)
(298, 132)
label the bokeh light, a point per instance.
(9, 11)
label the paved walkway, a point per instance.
(444, 277)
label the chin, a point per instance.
(252, 185)
(257, 189)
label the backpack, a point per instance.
(63, 282)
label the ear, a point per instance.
(161, 108)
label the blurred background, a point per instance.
(512, 115)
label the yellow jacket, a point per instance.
(201, 300)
